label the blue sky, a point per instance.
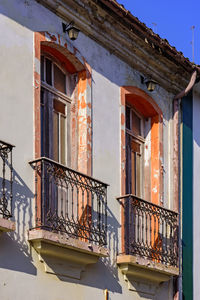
(173, 20)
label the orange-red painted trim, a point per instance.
(147, 107)
(81, 107)
(59, 56)
(155, 160)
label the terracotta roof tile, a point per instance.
(147, 33)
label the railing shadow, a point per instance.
(15, 251)
(107, 266)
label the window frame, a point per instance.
(60, 97)
(52, 88)
(139, 139)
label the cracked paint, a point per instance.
(81, 126)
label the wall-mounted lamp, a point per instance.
(150, 83)
(71, 30)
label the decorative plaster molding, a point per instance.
(103, 28)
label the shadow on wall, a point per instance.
(14, 248)
(92, 276)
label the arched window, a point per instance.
(141, 145)
(57, 87)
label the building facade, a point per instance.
(90, 196)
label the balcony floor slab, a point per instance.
(64, 256)
(140, 273)
(6, 225)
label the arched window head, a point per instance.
(56, 76)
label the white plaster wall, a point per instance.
(21, 274)
(196, 192)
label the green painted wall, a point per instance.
(187, 196)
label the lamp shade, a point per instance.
(151, 85)
(73, 32)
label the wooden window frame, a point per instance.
(64, 71)
(61, 97)
(139, 139)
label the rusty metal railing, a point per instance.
(6, 180)
(70, 202)
(150, 230)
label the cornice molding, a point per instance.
(104, 29)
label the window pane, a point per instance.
(136, 124)
(42, 68)
(55, 136)
(135, 167)
(128, 118)
(59, 80)
(62, 138)
(48, 71)
(138, 166)
(133, 173)
(71, 81)
(42, 122)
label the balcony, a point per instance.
(71, 217)
(6, 183)
(150, 241)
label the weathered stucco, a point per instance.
(100, 144)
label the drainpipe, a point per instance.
(177, 166)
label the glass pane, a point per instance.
(62, 139)
(59, 80)
(55, 136)
(135, 167)
(42, 122)
(42, 68)
(128, 118)
(71, 81)
(48, 71)
(136, 124)
(138, 166)
(133, 173)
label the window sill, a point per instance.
(140, 273)
(63, 256)
(6, 225)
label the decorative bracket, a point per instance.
(144, 275)
(64, 256)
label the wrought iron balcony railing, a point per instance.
(6, 180)
(150, 230)
(70, 202)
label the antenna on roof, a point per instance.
(154, 27)
(192, 28)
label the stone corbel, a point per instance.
(144, 275)
(64, 256)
